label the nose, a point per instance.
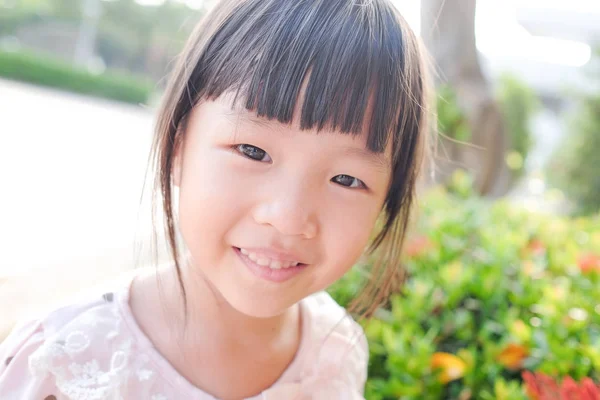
(290, 209)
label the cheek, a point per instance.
(209, 200)
(347, 236)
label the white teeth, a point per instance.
(275, 265)
(267, 262)
(263, 261)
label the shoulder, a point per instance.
(58, 351)
(332, 326)
(337, 346)
(83, 316)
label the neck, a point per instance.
(211, 319)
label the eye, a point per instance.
(349, 181)
(253, 152)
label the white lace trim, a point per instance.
(80, 377)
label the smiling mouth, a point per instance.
(271, 263)
(275, 270)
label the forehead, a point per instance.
(353, 143)
(336, 65)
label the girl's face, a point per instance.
(257, 197)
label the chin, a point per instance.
(247, 294)
(257, 306)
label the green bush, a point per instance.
(47, 71)
(452, 121)
(574, 167)
(11, 19)
(492, 290)
(518, 103)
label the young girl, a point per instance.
(289, 128)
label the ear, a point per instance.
(177, 162)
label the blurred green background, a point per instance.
(114, 49)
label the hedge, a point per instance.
(496, 297)
(52, 72)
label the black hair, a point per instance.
(344, 64)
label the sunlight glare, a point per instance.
(500, 35)
(150, 3)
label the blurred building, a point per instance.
(547, 43)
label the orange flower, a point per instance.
(451, 366)
(513, 355)
(418, 245)
(589, 262)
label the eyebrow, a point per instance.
(237, 116)
(379, 160)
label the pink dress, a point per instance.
(96, 351)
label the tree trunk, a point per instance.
(448, 31)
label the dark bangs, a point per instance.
(347, 56)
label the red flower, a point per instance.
(418, 245)
(542, 387)
(536, 247)
(590, 389)
(589, 262)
